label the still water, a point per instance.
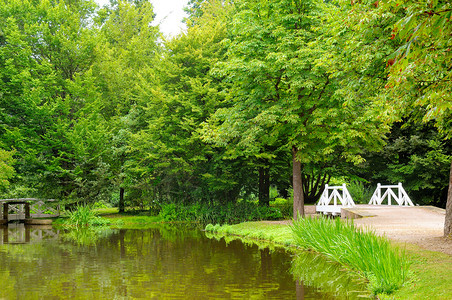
(165, 262)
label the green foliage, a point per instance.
(285, 206)
(415, 155)
(373, 256)
(229, 213)
(93, 102)
(420, 70)
(360, 192)
(6, 167)
(83, 216)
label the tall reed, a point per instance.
(385, 266)
(84, 215)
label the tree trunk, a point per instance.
(299, 288)
(121, 200)
(448, 222)
(297, 184)
(264, 186)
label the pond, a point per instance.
(165, 262)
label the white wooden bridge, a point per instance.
(334, 198)
(28, 208)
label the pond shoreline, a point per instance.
(426, 266)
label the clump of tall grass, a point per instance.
(84, 215)
(385, 266)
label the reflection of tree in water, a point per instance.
(152, 263)
(187, 264)
(314, 276)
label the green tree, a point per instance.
(175, 159)
(416, 155)
(284, 95)
(420, 70)
(46, 50)
(126, 75)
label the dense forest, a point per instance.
(97, 106)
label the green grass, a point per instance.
(83, 216)
(431, 276)
(385, 266)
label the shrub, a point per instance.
(359, 192)
(284, 206)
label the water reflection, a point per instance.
(331, 278)
(19, 233)
(315, 276)
(158, 263)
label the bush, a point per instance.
(359, 192)
(284, 206)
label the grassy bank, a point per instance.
(431, 272)
(385, 266)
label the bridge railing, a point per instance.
(37, 208)
(384, 192)
(333, 199)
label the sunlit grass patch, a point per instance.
(385, 266)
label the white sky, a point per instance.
(169, 14)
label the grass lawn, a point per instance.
(431, 278)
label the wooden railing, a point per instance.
(333, 199)
(385, 192)
(23, 208)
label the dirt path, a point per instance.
(420, 225)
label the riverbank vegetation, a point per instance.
(82, 216)
(200, 213)
(425, 266)
(373, 256)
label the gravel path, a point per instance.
(420, 225)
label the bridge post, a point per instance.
(379, 193)
(5, 211)
(27, 210)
